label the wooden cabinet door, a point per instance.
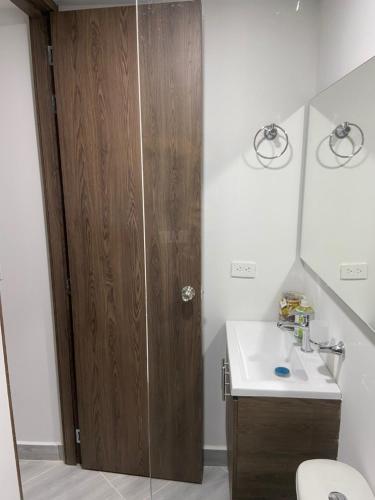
(231, 435)
(171, 99)
(95, 68)
(270, 437)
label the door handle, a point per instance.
(187, 293)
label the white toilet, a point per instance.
(321, 479)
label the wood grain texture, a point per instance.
(273, 436)
(231, 432)
(35, 8)
(171, 95)
(97, 101)
(55, 221)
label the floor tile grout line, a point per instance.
(38, 475)
(112, 485)
(107, 480)
(160, 489)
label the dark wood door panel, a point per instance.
(171, 97)
(95, 54)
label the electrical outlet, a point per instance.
(354, 271)
(243, 269)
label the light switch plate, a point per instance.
(243, 269)
(354, 271)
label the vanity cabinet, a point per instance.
(268, 437)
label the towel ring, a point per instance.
(341, 132)
(270, 132)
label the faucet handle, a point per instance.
(320, 344)
(337, 349)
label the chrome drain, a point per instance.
(335, 495)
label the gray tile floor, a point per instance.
(47, 480)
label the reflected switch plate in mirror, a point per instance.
(354, 271)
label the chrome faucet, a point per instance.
(337, 349)
(306, 340)
(323, 347)
(286, 325)
(303, 325)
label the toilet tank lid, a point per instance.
(316, 479)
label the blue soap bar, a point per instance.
(282, 371)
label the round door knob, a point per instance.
(335, 495)
(187, 293)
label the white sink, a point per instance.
(256, 348)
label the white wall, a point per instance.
(8, 467)
(260, 64)
(346, 37)
(347, 40)
(25, 289)
(355, 376)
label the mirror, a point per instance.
(338, 228)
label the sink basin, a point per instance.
(256, 348)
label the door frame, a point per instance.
(49, 155)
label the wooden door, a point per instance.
(171, 97)
(95, 67)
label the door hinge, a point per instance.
(54, 105)
(50, 55)
(68, 286)
(78, 436)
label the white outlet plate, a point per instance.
(243, 269)
(354, 271)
